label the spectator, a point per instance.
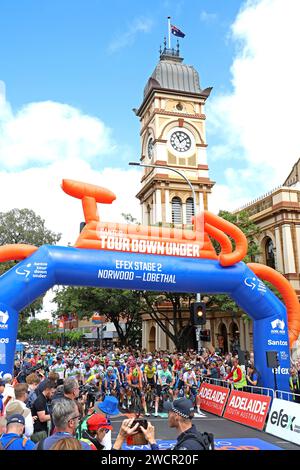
(33, 381)
(294, 381)
(68, 443)
(65, 418)
(252, 379)
(21, 394)
(13, 438)
(97, 428)
(41, 409)
(2, 426)
(9, 392)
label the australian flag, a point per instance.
(176, 31)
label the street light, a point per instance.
(150, 165)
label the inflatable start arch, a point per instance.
(122, 256)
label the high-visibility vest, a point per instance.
(243, 382)
(292, 386)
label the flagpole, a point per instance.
(169, 30)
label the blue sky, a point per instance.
(90, 53)
(73, 71)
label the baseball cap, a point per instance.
(97, 421)
(15, 408)
(182, 406)
(15, 418)
(7, 377)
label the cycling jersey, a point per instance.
(190, 378)
(150, 371)
(165, 376)
(135, 379)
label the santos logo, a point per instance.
(4, 340)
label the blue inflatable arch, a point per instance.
(48, 266)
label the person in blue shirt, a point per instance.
(13, 439)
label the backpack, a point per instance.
(2, 447)
(205, 439)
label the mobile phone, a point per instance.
(141, 422)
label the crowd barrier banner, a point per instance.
(247, 408)
(213, 398)
(284, 420)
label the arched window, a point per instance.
(270, 253)
(189, 210)
(176, 210)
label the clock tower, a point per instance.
(173, 134)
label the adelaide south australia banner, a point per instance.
(213, 398)
(247, 408)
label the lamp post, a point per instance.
(151, 165)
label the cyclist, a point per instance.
(60, 369)
(164, 379)
(150, 377)
(190, 382)
(135, 383)
(73, 371)
(110, 382)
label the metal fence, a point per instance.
(250, 388)
(289, 396)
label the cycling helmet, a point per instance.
(122, 361)
(150, 359)
(110, 369)
(145, 361)
(87, 366)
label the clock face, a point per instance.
(150, 147)
(180, 141)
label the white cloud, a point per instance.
(139, 25)
(258, 121)
(45, 132)
(39, 189)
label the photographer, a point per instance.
(128, 430)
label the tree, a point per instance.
(25, 226)
(122, 308)
(223, 302)
(34, 330)
(173, 323)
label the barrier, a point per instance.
(247, 408)
(213, 398)
(284, 420)
(120, 256)
(281, 394)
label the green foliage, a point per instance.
(25, 226)
(242, 220)
(117, 306)
(74, 336)
(34, 330)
